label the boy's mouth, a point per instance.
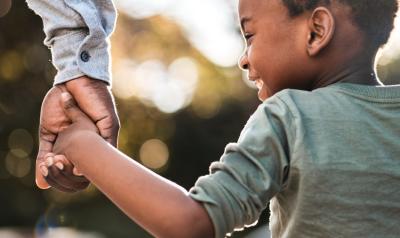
(262, 90)
(257, 81)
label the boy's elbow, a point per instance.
(202, 224)
(196, 224)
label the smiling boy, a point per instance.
(314, 43)
(323, 147)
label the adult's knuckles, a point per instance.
(46, 134)
(109, 122)
(116, 126)
(115, 123)
(69, 104)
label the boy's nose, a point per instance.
(243, 62)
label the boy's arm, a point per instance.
(160, 206)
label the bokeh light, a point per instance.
(20, 142)
(10, 233)
(17, 164)
(169, 89)
(5, 6)
(207, 104)
(65, 232)
(154, 154)
(123, 86)
(392, 49)
(144, 9)
(11, 66)
(211, 32)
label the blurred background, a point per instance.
(180, 95)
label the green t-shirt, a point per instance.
(328, 161)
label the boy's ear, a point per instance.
(321, 29)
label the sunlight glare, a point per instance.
(392, 49)
(168, 88)
(209, 24)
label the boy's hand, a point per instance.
(80, 123)
(61, 174)
(57, 169)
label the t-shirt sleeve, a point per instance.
(249, 173)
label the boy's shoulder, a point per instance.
(337, 99)
(329, 101)
(296, 99)
(308, 96)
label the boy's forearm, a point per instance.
(160, 206)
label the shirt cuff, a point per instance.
(73, 58)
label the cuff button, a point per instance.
(85, 56)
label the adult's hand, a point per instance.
(94, 98)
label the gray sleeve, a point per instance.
(77, 33)
(249, 173)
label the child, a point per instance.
(323, 147)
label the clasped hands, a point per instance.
(87, 100)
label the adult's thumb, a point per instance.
(71, 109)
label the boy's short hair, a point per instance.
(374, 17)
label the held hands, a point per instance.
(95, 100)
(58, 166)
(80, 124)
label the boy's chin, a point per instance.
(263, 95)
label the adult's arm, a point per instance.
(77, 33)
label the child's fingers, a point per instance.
(54, 184)
(63, 182)
(76, 172)
(42, 167)
(58, 171)
(58, 180)
(55, 164)
(68, 169)
(60, 161)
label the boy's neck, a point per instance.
(357, 73)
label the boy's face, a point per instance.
(275, 56)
